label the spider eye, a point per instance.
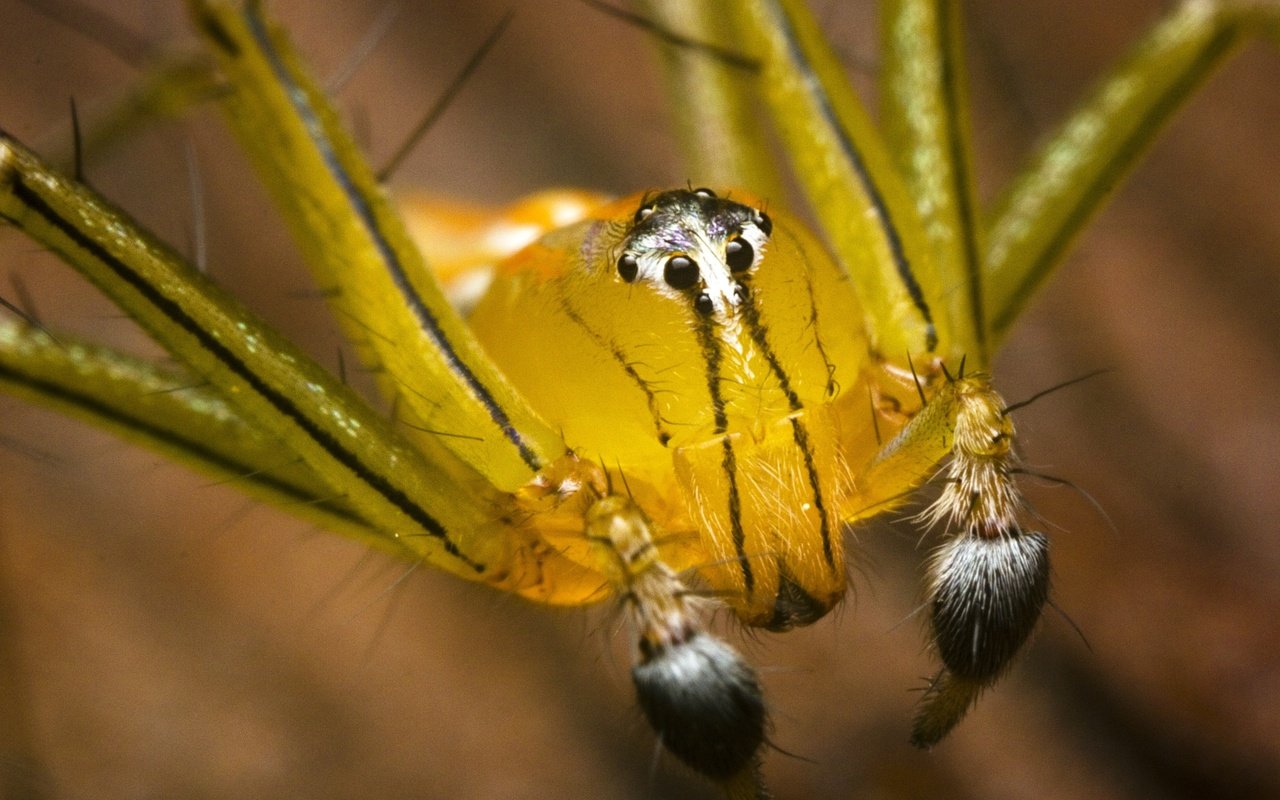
(681, 272)
(628, 267)
(764, 223)
(739, 254)
(703, 304)
(643, 213)
(704, 192)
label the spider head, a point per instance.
(693, 245)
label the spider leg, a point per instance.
(846, 170)
(358, 247)
(408, 496)
(1073, 173)
(924, 108)
(989, 580)
(700, 696)
(173, 413)
(713, 99)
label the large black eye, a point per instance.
(739, 254)
(681, 272)
(643, 212)
(628, 267)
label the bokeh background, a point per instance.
(163, 637)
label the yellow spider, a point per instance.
(741, 410)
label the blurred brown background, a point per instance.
(161, 637)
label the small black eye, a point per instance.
(681, 272)
(643, 212)
(703, 304)
(628, 267)
(703, 191)
(764, 223)
(739, 255)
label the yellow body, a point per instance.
(740, 431)
(733, 417)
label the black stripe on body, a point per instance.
(427, 320)
(729, 463)
(760, 335)
(171, 310)
(664, 436)
(712, 357)
(833, 386)
(801, 436)
(858, 165)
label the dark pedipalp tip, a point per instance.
(705, 703)
(987, 598)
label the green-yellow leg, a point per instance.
(1073, 173)
(846, 171)
(714, 100)
(268, 380)
(924, 111)
(164, 411)
(897, 209)
(358, 247)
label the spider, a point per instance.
(888, 398)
